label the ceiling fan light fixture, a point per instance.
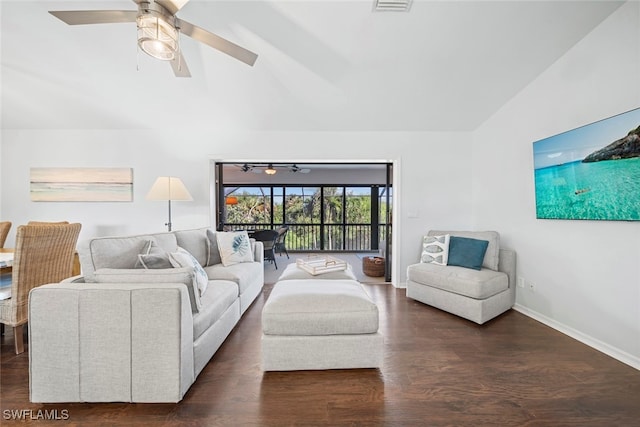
(392, 5)
(157, 36)
(270, 170)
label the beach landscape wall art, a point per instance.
(592, 172)
(81, 184)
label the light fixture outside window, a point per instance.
(157, 36)
(270, 170)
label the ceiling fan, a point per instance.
(158, 31)
(270, 168)
(295, 168)
(249, 168)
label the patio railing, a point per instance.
(328, 237)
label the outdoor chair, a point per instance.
(43, 254)
(280, 242)
(268, 239)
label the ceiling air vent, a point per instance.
(391, 5)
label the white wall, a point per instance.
(434, 171)
(586, 273)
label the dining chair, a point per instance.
(268, 239)
(44, 253)
(4, 231)
(46, 222)
(281, 241)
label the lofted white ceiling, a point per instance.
(322, 65)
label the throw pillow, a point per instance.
(234, 247)
(153, 256)
(214, 252)
(182, 258)
(491, 257)
(467, 252)
(435, 249)
(152, 261)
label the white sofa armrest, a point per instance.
(258, 251)
(106, 342)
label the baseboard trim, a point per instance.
(605, 348)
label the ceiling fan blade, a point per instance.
(217, 42)
(179, 66)
(172, 6)
(83, 17)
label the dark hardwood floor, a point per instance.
(439, 370)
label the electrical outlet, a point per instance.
(521, 282)
(531, 286)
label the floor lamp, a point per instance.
(168, 188)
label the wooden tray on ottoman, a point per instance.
(321, 264)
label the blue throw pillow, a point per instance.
(466, 252)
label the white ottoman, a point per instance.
(320, 324)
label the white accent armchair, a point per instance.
(476, 295)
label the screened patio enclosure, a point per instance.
(353, 216)
(319, 218)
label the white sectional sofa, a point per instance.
(125, 333)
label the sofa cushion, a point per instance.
(463, 281)
(169, 275)
(435, 249)
(243, 274)
(491, 256)
(195, 242)
(234, 247)
(119, 252)
(166, 240)
(466, 252)
(214, 252)
(219, 297)
(182, 258)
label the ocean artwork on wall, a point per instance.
(592, 172)
(81, 184)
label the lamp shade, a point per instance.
(168, 188)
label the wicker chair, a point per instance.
(268, 239)
(280, 242)
(47, 222)
(44, 253)
(4, 231)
